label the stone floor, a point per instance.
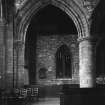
(48, 101)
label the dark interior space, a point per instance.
(97, 27)
(102, 27)
(100, 58)
(52, 20)
(48, 21)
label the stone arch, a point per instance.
(63, 62)
(24, 16)
(72, 10)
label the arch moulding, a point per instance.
(26, 13)
(24, 16)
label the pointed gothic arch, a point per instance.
(25, 14)
(63, 62)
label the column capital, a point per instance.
(90, 39)
(18, 44)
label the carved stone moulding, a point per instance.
(20, 3)
(90, 4)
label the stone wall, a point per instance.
(46, 51)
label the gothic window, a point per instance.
(63, 62)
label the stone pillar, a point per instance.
(2, 54)
(2, 47)
(87, 63)
(19, 63)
